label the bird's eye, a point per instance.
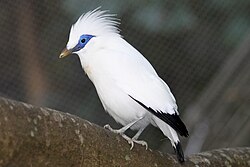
(83, 40)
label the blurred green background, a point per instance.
(200, 48)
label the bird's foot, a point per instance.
(131, 141)
(111, 129)
(141, 142)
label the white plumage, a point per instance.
(128, 86)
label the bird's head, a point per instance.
(89, 28)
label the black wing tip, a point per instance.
(175, 122)
(186, 134)
(184, 129)
(171, 119)
(179, 153)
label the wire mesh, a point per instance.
(188, 42)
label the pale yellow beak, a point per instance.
(65, 53)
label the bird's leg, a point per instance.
(141, 142)
(122, 131)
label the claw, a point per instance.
(129, 140)
(132, 144)
(111, 129)
(107, 126)
(141, 142)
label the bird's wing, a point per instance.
(137, 78)
(155, 96)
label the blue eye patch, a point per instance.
(83, 40)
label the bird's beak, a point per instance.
(65, 53)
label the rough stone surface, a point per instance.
(37, 137)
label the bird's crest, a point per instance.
(95, 22)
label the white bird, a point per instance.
(128, 86)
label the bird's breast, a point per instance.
(87, 70)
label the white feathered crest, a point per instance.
(95, 22)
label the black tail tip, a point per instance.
(179, 152)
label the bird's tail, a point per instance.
(179, 152)
(172, 136)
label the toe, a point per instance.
(141, 142)
(107, 126)
(146, 145)
(132, 145)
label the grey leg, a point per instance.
(136, 136)
(123, 129)
(141, 142)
